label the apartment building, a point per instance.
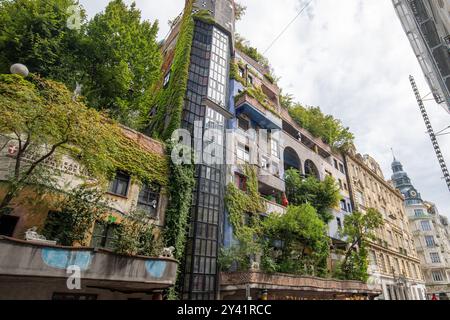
(431, 234)
(394, 263)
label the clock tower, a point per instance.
(403, 183)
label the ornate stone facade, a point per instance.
(394, 264)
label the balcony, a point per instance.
(292, 287)
(254, 110)
(270, 183)
(48, 264)
(273, 207)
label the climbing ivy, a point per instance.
(204, 16)
(180, 189)
(169, 101)
(244, 208)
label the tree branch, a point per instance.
(43, 158)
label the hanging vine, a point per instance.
(169, 101)
(180, 189)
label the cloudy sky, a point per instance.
(351, 58)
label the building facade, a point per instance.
(427, 25)
(431, 234)
(47, 265)
(229, 91)
(394, 263)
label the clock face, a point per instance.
(413, 193)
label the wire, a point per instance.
(287, 27)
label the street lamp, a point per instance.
(19, 69)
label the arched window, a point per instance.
(291, 160)
(311, 170)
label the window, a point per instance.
(383, 263)
(426, 226)
(341, 185)
(104, 235)
(241, 72)
(430, 241)
(339, 223)
(360, 198)
(265, 163)
(336, 164)
(8, 225)
(243, 152)
(373, 258)
(166, 80)
(345, 186)
(243, 124)
(250, 80)
(390, 237)
(275, 148)
(344, 205)
(119, 186)
(218, 68)
(275, 169)
(241, 182)
(341, 168)
(148, 199)
(435, 258)
(419, 213)
(54, 226)
(437, 276)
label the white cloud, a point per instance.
(351, 58)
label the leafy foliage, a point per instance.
(180, 188)
(122, 61)
(79, 208)
(42, 118)
(359, 228)
(244, 46)
(239, 10)
(136, 236)
(115, 56)
(244, 209)
(35, 33)
(321, 195)
(258, 94)
(305, 244)
(169, 101)
(326, 127)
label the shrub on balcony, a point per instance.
(136, 236)
(258, 94)
(326, 127)
(304, 242)
(322, 195)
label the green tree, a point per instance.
(122, 61)
(239, 10)
(322, 195)
(359, 228)
(303, 237)
(115, 56)
(36, 33)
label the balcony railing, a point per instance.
(254, 110)
(99, 268)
